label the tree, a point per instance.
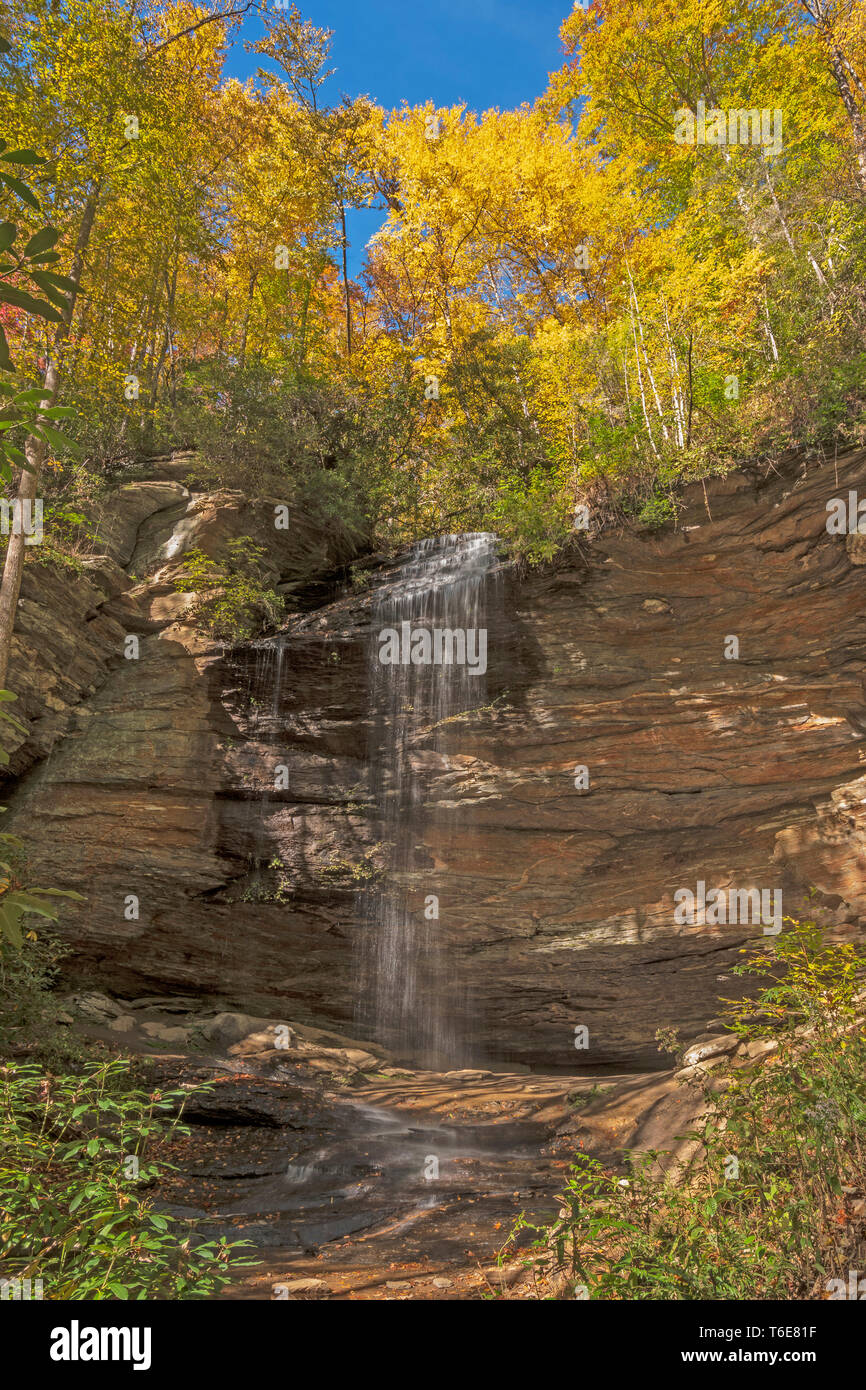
(334, 138)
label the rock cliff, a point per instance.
(154, 777)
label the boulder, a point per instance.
(227, 1029)
(709, 1046)
(303, 1288)
(123, 512)
(98, 1008)
(163, 1032)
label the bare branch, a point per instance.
(209, 19)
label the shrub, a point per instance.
(786, 1216)
(530, 518)
(76, 1160)
(235, 600)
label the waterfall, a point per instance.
(409, 998)
(265, 680)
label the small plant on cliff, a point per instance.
(234, 599)
(77, 1157)
(773, 1203)
(363, 870)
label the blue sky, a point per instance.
(484, 52)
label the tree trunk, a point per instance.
(855, 117)
(819, 274)
(346, 281)
(842, 71)
(166, 342)
(35, 449)
(245, 327)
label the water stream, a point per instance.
(438, 607)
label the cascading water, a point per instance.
(408, 997)
(266, 678)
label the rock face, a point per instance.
(557, 900)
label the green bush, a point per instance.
(782, 1219)
(530, 518)
(77, 1156)
(235, 598)
(318, 445)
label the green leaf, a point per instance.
(32, 395)
(63, 282)
(41, 278)
(10, 295)
(22, 157)
(59, 893)
(23, 192)
(26, 903)
(8, 233)
(10, 927)
(5, 359)
(55, 438)
(43, 240)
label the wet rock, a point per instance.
(255, 1105)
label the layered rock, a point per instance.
(557, 903)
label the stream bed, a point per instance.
(416, 1177)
